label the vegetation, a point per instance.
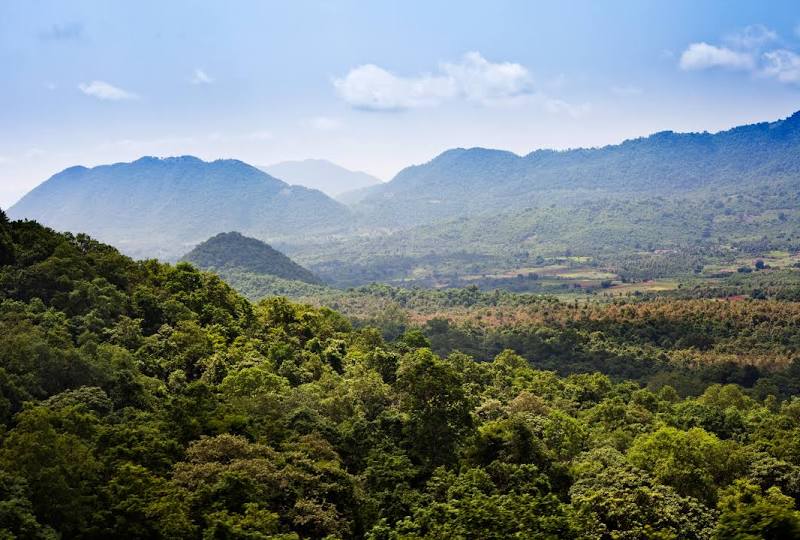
(157, 207)
(465, 182)
(232, 252)
(635, 236)
(143, 400)
(658, 207)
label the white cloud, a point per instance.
(749, 52)
(473, 78)
(488, 83)
(324, 123)
(373, 88)
(783, 65)
(704, 56)
(201, 77)
(752, 37)
(626, 91)
(106, 91)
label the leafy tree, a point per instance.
(747, 513)
(439, 411)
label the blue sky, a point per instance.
(376, 86)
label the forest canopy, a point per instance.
(145, 400)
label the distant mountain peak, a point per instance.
(321, 174)
(156, 206)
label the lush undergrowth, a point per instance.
(142, 400)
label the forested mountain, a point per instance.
(232, 252)
(694, 198)
(143, 400)
(321, 174)
(463, 182)
(164, 206)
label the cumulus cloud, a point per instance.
(105, 91)
(201, 77)
(472, 78)
(479, 80)
(704, 56)
(783, 65)
(374, 88)
(752, 50)
(752, 37)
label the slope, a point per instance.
(159, 207)
(464, 182)
(231, 251)
(321, 174)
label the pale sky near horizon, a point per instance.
(376, 86)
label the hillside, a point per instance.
(464, 182)
(159, 207)
(146, 400)
(232, 252)
(323, 175)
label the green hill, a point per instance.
(232, 252)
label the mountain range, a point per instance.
(669, 190)
(321, 174)
(162, 207)
(463, 182)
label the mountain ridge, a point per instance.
(326, 176)
(463, 181)
(157, 206)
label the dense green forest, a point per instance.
(639, 236)
(234, 253)
(144, 400)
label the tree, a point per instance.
(631, 504)
(748, 513)
(694, 462)
(439, 413)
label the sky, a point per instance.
(376, 86)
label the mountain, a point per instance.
(323, 175)
(463, 182)
(229, 252)
(355, 196)
(159, 207)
